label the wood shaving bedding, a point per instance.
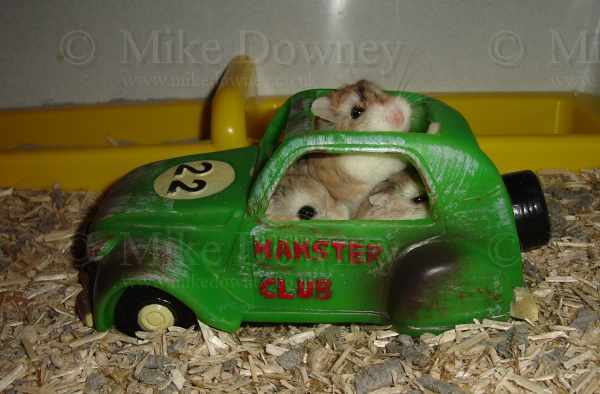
(45, 347)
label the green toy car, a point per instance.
(187, 238)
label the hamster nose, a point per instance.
(395, 117)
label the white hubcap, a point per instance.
(155, 317)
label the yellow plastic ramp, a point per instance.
(533, 130)
(89, 147)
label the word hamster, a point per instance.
(351, 251)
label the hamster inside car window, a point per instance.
(350, 186)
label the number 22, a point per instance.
(199, 183)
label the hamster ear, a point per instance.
(379, 199)
(321, 107)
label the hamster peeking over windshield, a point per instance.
(399, 197)
(300, 197)
(366, 107)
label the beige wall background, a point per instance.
(57, 52)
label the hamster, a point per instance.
(300, 197)
(399, 197)
(366, 107)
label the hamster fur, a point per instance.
(300, 197)
(399, 197)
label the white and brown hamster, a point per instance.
(300, 197)
(399, 197)
(362, 106)
(365, 106)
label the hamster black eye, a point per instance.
(356, 112)
(420, 199)
(306, 213)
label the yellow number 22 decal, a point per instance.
(195, 179)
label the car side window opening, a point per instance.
(350, 186)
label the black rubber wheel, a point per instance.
(134, 299)
(529, 208)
